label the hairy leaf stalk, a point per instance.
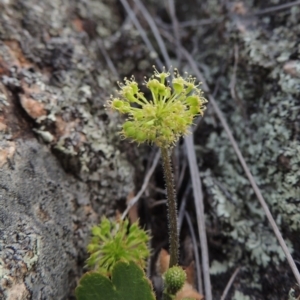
(172, 207)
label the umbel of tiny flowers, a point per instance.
(161, 119)
(165, 117)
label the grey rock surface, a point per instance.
(36, 240)
(60, 164)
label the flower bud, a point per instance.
(193, 100)
(178, 84)
(162, 89)
(140, 136)
(117, 103)
(129, 130)
(134, 87)
(162, 75)
(174, 280)
(194, 110)
(189, 87)
(153, 85)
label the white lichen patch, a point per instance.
(31, 257)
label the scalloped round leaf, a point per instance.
(94, 285)
(128, 281)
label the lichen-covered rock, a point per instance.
(37, 246)
(60, 165)
(260, 101)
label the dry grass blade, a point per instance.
(181, 175)
(232, 84)
(144, 186)
(198, 198)
(155, 31)
(229, 284)
(107, 58)
(183, 205)
(192, 23)
(176, 32)
(197, 260)
(276, 8)
(141, 30)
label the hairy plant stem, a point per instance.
(172, 207)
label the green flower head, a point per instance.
(167, 115)
(117, 241)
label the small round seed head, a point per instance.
(174, 279)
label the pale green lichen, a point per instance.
(265, 124)
(31, 257)
(240, 296)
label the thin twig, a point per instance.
(232, 84)
(116, 35)
(183, 205)
(157, 203)
(233, 77)
(276, 8)
(155, 32)
(196, 254)
(157, 189)
(230, 282)
(223, 189)
(182, 173)
(175, 26)
(199, 120)
(107, 58)
(141, 30)
(192, 23)
(144, 186)
(103, 51)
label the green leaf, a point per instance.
(94, 285)
(128, 282)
